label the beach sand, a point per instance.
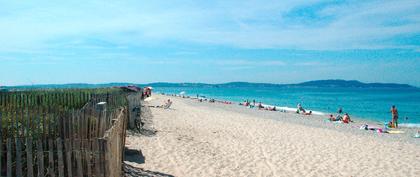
(214, 139)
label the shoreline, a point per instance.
(209, 139)
(292, 110)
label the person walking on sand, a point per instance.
(394, 113)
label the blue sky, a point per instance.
(136, 41)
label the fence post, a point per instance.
(18, 157)
(88, 158)
(68, 157)
(9, 157)
(60, 158)
(104, 159)
(51, 157)
(97, 157)
(78, 158)
(29, 159)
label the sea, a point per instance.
(372, 104)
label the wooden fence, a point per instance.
(134, 108)
(50, 141)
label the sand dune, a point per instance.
(211, 139)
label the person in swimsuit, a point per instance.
(394, 113)
(346, 118)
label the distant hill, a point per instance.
(351, 84)
(312, 84)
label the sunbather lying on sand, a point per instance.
(331, 118)
(307, 113)
(260, 106)
(167, 105)
(271, 108)
(337, 118)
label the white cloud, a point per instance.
(249, 24)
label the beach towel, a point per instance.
(395, 131)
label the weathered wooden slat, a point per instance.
(65, 122)
(94, 122)
(82, 127)
(18, 143)
(86, 118)
(18, 157)
(69, 158)
(104, 158)
(60, 159)
(125, 133)
(71, 124)
(44, 124)
(98, 123)
(79, 126)
(29, 159)
(79, 159)
(40, 154)
(88, 158)
(97, 157)
(51, 170)
(9, 158)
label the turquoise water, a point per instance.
(372, 104)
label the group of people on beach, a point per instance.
(303, 111)
(344, 119)
(340, 116)
(260, 106)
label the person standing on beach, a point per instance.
(340, 110)
(394, 113)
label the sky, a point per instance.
(288, 41)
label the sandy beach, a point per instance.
(213, 139)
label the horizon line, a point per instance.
(164, 82)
